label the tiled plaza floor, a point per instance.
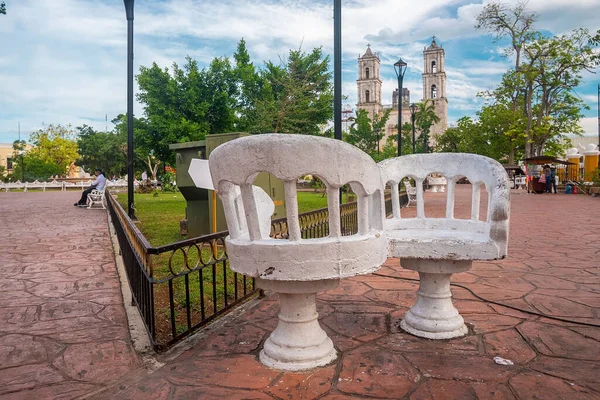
(63, 329)
(553, 269)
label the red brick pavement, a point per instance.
(63, 329)
(552, 269)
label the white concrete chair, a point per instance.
(96, 197)
(298, 268)
(439, 247)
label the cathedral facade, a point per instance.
(434, 89)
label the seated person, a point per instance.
(99, 183)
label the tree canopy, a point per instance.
(104, 150)
(187, 103)
(53, 148)
(366, 134)
(537, 99)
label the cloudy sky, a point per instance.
(64, 61)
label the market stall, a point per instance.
(533, 176)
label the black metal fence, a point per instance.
(182, 286)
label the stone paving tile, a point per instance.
(63, 330)
(553, 359)
(550, 269)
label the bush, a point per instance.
(168, 181)
(595, 177)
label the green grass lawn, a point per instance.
(309, 201)
(158, 216)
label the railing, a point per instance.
(315, 224)
(179, 287)
(182, 286)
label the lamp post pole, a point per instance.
(400, 69)
(337, 69)
(412, 117)
(130, 177)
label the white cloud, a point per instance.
(590, 126)
(65, 60)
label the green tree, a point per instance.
(251, 89)
(425, 117)
(187, 103)
(53, 145)
(555, 70)
(297, 95)
(3, 8)
(547, 69)
(143, 144)
(486, 136)
(366, 134)
(173, 108)
(503, 21)
(501, 131)
(29, 165)
(104, 150)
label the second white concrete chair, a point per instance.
(297, 269)
(439, 247)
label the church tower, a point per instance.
(434, 86)
(368, 83)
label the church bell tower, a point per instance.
(368, 83)
(434, 85)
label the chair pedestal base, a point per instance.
(433, 316)
(298, 343)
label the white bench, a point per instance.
(14, 185)
(297, 269)
(437, 184)
(96, 197)
(520, 181)
(411, 193)
(54, 185)
(35, 185)
(439, 247)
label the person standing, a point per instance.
(553, 177)
(99, 183)
(548, 175)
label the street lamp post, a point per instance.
(337, 69)
(400, 69)
(130, 178)
(412, 118)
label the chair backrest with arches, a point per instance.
(288, 157)
(453, 166)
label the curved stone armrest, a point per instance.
(453, 166)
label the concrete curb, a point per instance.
(137, 329)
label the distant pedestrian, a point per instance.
(553, 176)
(548, 176)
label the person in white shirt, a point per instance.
(99, 183)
